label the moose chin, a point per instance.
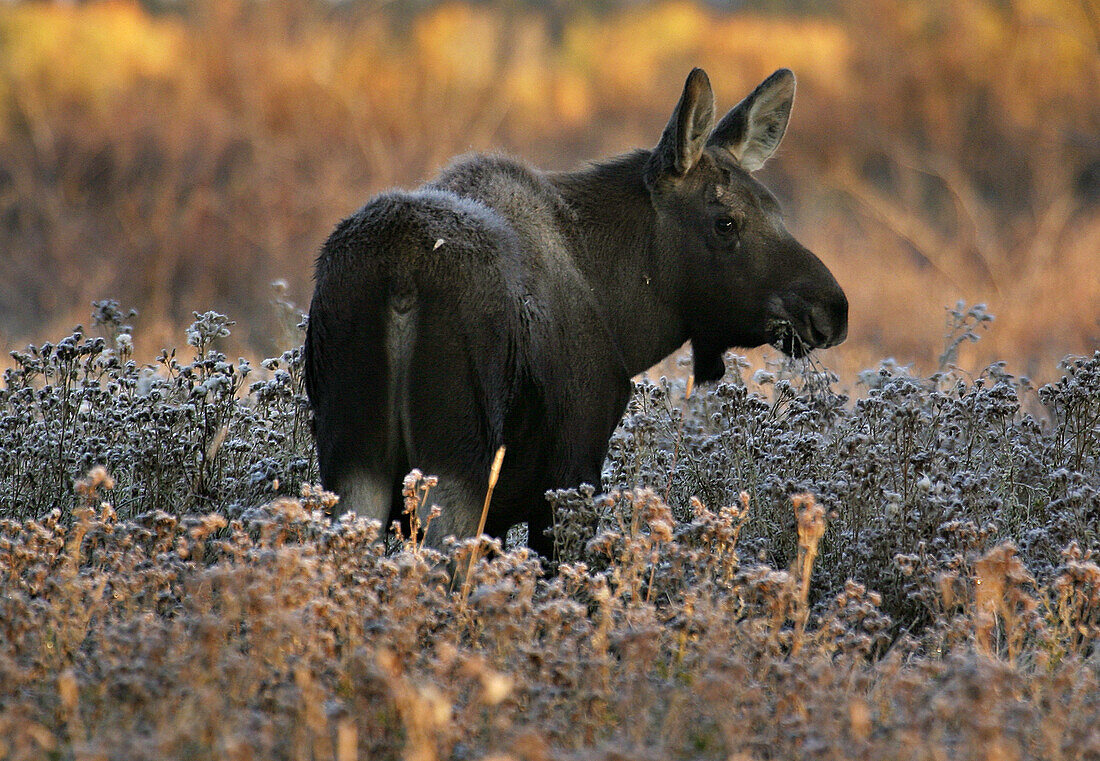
(500, 305)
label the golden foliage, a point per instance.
(90, 54)
(933, 153)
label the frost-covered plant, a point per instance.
(176, 435)
(775, 572)
(919, 475)
(289, 635)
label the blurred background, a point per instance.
(182, 155)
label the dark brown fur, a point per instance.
(500, 305)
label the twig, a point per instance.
(494, 474)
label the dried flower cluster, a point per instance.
(180, 437)
(910, 576)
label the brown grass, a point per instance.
(286, 636)
(183, 161)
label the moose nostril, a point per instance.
(837, 314)
(819, 332)
(840, 311)
(828, 322)
(840, 335)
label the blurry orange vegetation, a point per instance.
(49, 46)
(938, 151)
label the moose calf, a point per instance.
(502, 305)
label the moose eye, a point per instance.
(725, 226)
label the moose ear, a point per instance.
(686, 134)
(751, 131)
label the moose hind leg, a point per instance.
(538, 523)
(460, 510)
(367, 494)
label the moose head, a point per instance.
(745, 280)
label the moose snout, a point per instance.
(817, 318)
(828, 319)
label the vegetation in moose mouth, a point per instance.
(943, 575)
(783, 336)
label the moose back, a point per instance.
(502, 305)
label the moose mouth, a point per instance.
(796, 328)
(783, 335)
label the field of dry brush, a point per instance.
(777, 572)
(852, 557)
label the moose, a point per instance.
(500, 305)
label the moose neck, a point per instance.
(617, 244)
